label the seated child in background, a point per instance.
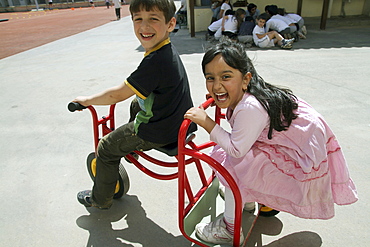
(252, 11)
(231, 23)
(280, 151)
(297, 20)
(245, 34)
(214, 31)
(268, 39)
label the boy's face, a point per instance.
(261, 22)
(151, 28)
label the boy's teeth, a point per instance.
(147, 35)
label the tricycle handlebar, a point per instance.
(74, 106)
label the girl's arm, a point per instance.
(223, 22)
(200, 117)
(248, 124)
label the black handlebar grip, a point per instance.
(74, 106)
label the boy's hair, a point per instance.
(271, 9)
(263, 16)
(248, 18)
(280, 103)
(281, 11)
(229, 12)
(167, 7)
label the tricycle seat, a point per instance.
(172, 149)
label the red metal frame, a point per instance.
(187, 153)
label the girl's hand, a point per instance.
(209, 96)
(199, 116)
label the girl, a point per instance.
(280, 151)
(231, 24)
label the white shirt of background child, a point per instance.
(225, 7)
(257, 30)
(276, 24)
(231, 24)
(284, 19)
(215, 25)
(294, 17)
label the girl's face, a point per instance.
(151, 28)
(261, 22)
(225, 84)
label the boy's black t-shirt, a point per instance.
(162, 89)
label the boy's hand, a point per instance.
(82, 100)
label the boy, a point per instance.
(265, 39)
(162, 93)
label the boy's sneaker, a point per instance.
(304, 30)
(84, 197)
(216, 233)
(287, 46)
(288, 41)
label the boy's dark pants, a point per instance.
(111, 149)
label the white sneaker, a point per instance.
(304, 30)
(216, 233)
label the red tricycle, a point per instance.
(203, 203)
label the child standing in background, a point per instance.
(280, 151)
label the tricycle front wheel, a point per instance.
(123, 182)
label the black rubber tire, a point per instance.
(267, 212)
(123, 182)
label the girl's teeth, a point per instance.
(221, 96)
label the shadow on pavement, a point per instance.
(272, 226)
(140, 229)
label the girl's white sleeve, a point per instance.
(248, 123)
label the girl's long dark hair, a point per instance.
(280, 103)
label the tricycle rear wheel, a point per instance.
(267, 211)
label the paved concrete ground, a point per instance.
(43, 146)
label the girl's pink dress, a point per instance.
(301, 171)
